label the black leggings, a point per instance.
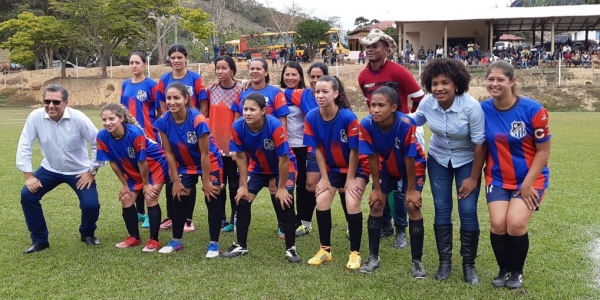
(305, 200)
(231, 177)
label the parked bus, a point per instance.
(275, 40)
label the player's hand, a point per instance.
(242, 193)
(179, 190)
(467, 186)
(414, 197)
(376, 196)
(530, 196)
(33, 184)
(150, 192)
(246, 85)
(85, 180)
(323, 186)
(210, 190)
(124, 192)
(353, 189)
(284, 197)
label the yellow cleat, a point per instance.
(354, 261)
(321, 257)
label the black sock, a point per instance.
(519, 246)
(417, 235)
(189, 206)
(216, 208)
(244, 216)
(178, 207)
(222, 198)
(500, 247)
(131, 223)
(310, 204)
(277, 207)
(374, 227)
(289, 225)
(324, 221)
(139, 204)
(343, 201)
(154, 215)
(169, 197)
(355, 227)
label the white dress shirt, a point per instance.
(456, 130)
(62, 143)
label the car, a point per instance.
(69, 65)
(502, 45)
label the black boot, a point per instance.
(443, 240)
(469, 241)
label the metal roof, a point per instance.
(566, 18)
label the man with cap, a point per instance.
(381, 72)
(62, 133)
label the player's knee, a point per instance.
(516, 227)
(498, 226)
(377, 209)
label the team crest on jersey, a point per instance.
(131, 152)
(268, 144)
(142, 95)
(517, 129)
(191, 137)
(397, 145)
(344, 136)
(190, 90)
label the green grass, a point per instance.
(559, 265)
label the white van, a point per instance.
(68, 64)
(502, 45)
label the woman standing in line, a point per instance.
(138, 94)
(141, 166)
(264, 159)
(192, 154)
(456, 153)
(518, 137)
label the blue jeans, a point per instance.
(440, 180)
(399, 207)
(207, 57)
(32, 208)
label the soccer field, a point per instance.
(562, 262)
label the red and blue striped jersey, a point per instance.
(511, 136)
(131, 149)
(392, 145)
(193, 82)
(302, 98)
(264, 148)
(335, 139)
(274, 97)
(140, 100)
(183, 139)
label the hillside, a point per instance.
(233, 21)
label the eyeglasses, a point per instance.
(55, 102)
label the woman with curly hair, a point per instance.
(456, 152)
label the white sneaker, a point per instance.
(171, 247)
(213, 250)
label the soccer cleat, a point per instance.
(172, 246)
(228, 228)
(500, 280)
(189, 226)
(141, 217)
(213, 250)
(146, 223)
(151, 246)
(166, 224)
(235, 250)
(128, 243)
(514, 281)
(418, 270)
(292, 255)
(303, 230)
(387, 230)
(280, 233)
(370, 266)
(400, 241)
(321, 257)
(354, 261)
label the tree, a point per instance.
(110, 23)
(286, 21)
(361, 21)
(311, 32)
(393, 32)
(334, 22)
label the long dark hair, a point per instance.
(229, 62)
(298, 67)
(319, 65)
(178, 48)
(336, 84)
(258, 98)
(182, 88)
(265, 66)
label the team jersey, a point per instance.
(370, 80)
(193, 82)
(274, 97)
(140, 100)
(300, 102)
(511, 136)
(220, 114)
(264, 148)
(127, 152)
(392, 146)
(335, 139)
(183, 139)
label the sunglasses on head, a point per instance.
(55, 102)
